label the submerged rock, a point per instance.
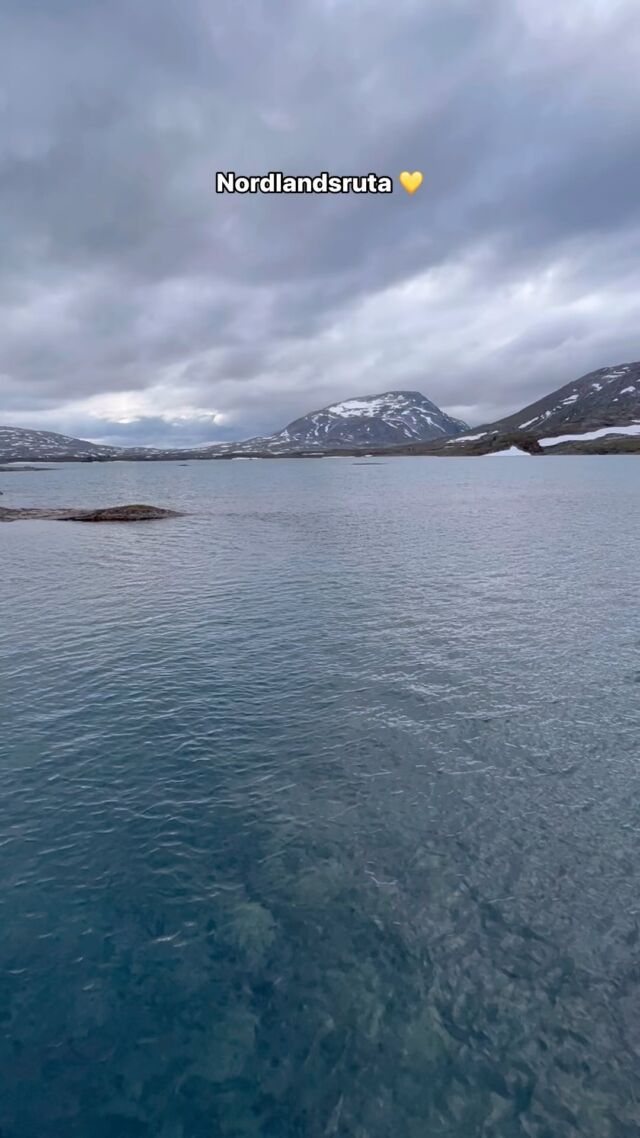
(251, 930)
(24, 469)
(135, 513)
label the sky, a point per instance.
(137, 306)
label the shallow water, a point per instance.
(319, 805)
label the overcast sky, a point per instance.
(138, 306)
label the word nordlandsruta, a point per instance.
(275, 182)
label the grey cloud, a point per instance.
(122, 270)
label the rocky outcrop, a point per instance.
(526, 443)
(135, 513)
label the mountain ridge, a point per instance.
(597, 413)
(583, 402)
(23, 444)
(386, 419)
(601, 402)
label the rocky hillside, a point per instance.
(604, 402)
(389, 419)
(20, 445)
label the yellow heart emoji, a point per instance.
(411, 182)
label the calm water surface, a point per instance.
(319, 807)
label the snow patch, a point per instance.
(510, 451)
(611, 375)
(632, 429)
(366, 407)
(467, 438)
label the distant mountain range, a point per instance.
(386, 420)
(599, 412)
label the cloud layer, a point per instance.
(136, 305)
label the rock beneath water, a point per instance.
(25, 469)
(136, 513)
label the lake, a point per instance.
(319, 807)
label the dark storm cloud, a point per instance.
(132, 296)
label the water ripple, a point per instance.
(318, 809)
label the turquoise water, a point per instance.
(319, 806)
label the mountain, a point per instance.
(389, 419)
(598, 413)
(18, 444)
(600, 404)
(374, 420)
(609, 397)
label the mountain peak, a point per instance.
(386, 419)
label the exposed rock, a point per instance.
(526, 443)
(136, 513)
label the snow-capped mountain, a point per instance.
(603, 402)
(389, 419)
(18, 444)
(598, 412)
(373, 420)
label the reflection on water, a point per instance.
(319, 806)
